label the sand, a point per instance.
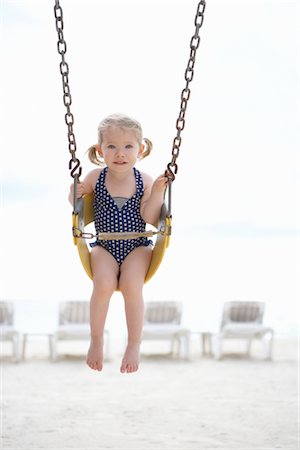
(237, 403)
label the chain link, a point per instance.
(172, 167)
(74, 163)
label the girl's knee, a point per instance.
(105, 286)
(130, 286)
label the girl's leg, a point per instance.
(105, 279)
(132, 276)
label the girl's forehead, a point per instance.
(119, 133)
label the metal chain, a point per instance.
(74, 163)
(172, 167)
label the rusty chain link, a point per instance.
(172, 167)
(74, 163)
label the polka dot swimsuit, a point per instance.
(110, 218)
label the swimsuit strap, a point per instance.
(102, 177)
(139, 183)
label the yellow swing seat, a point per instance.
(85, 216)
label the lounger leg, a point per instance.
(53, 347)
(217, 346)
(187, 339)
(15, 348)
(24, 346)
(268, 341)
(206, 338)
(209, 344)
(185, 345)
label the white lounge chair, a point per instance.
(7, 330)
(162, 322)
(243, 320)
(74, 324)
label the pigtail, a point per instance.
(94, 156)
(148, 148)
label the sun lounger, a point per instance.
(162, 321)
(74, 325)
(7, 329)
(243, 320)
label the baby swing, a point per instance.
(83, 211)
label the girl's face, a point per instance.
(120, 148)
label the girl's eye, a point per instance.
(128, 146)
(111, 146)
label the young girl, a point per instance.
(125, 200)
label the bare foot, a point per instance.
(131, 359)
(94, 357)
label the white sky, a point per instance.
(236, 196)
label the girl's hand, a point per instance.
(160, 184)
(80, 190)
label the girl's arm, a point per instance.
(87, 186)
(153, 198)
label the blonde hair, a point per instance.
(119, 121)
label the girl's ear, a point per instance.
(99, 150)
(141, 149)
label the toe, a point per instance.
(89, 363)
(98, 366)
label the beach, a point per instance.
(201, 404)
